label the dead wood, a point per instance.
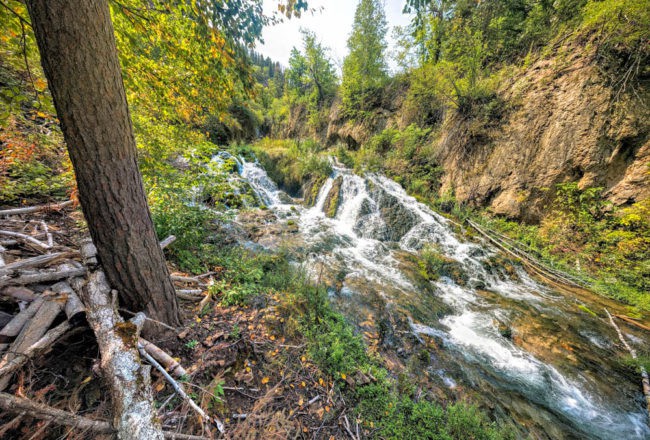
(179, 390)
(32, 332)
(35, 410)
(167, 241)
(183, 279)
(18, 405)
(27, 238)
(5, 318)
(74, 308)
(30, 209)
(168, 362)
(645, 379)
(2, 256)
(38, 347)
(128, 380)
(19, 293)
(42, 277)
(40, 260)
(633, 322)
(15, 326)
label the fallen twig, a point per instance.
(179, 389)
(633, 322)
(186, 279)
(32, 262)
(171, 364)
(18, 293)
(31, 209)
(645, 379)
(26, 238)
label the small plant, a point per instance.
(192, 344)
(235, 333)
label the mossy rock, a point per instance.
(333, 198)
(311, 189)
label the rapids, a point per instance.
(553, 371)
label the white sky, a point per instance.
(332, 26)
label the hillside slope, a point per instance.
(560, 121)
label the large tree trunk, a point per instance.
(79, 57)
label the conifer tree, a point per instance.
(365, 69)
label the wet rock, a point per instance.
(398, 219)
(332, 200)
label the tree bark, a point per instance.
(79, 57)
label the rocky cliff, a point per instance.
(562, 122)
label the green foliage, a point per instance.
(364, 69)
(611, 246)
(621, 29)
(380, 406)
(291, 164)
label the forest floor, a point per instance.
(241, 365)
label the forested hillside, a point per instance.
(446, 241)
(526, 111)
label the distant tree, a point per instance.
(365, 69)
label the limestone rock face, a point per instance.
(565, 126)
(562, 123)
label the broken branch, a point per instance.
(31, 209)
(179, 389)
(645, 379)
(39, 411)
(25, 237)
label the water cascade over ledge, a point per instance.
(523, 349)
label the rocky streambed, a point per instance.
(452, 313)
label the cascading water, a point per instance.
(554, 374)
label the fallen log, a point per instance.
(2, 256)
(5, 318)
(32, 262)
(633, 322)
(645, 379)
(168, 362)
(18, 293)
(128, 380)
(74, 308)
(32, 332)
(35, 410)
(36, 348)
(15, 326)
(30, 209)
(42, 277)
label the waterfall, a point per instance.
(376, 221)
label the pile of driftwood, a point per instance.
(56, 288)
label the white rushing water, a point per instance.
(374, 219)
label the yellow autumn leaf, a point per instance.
(344, 376)
(265, 380)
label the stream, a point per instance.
(521, 349)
